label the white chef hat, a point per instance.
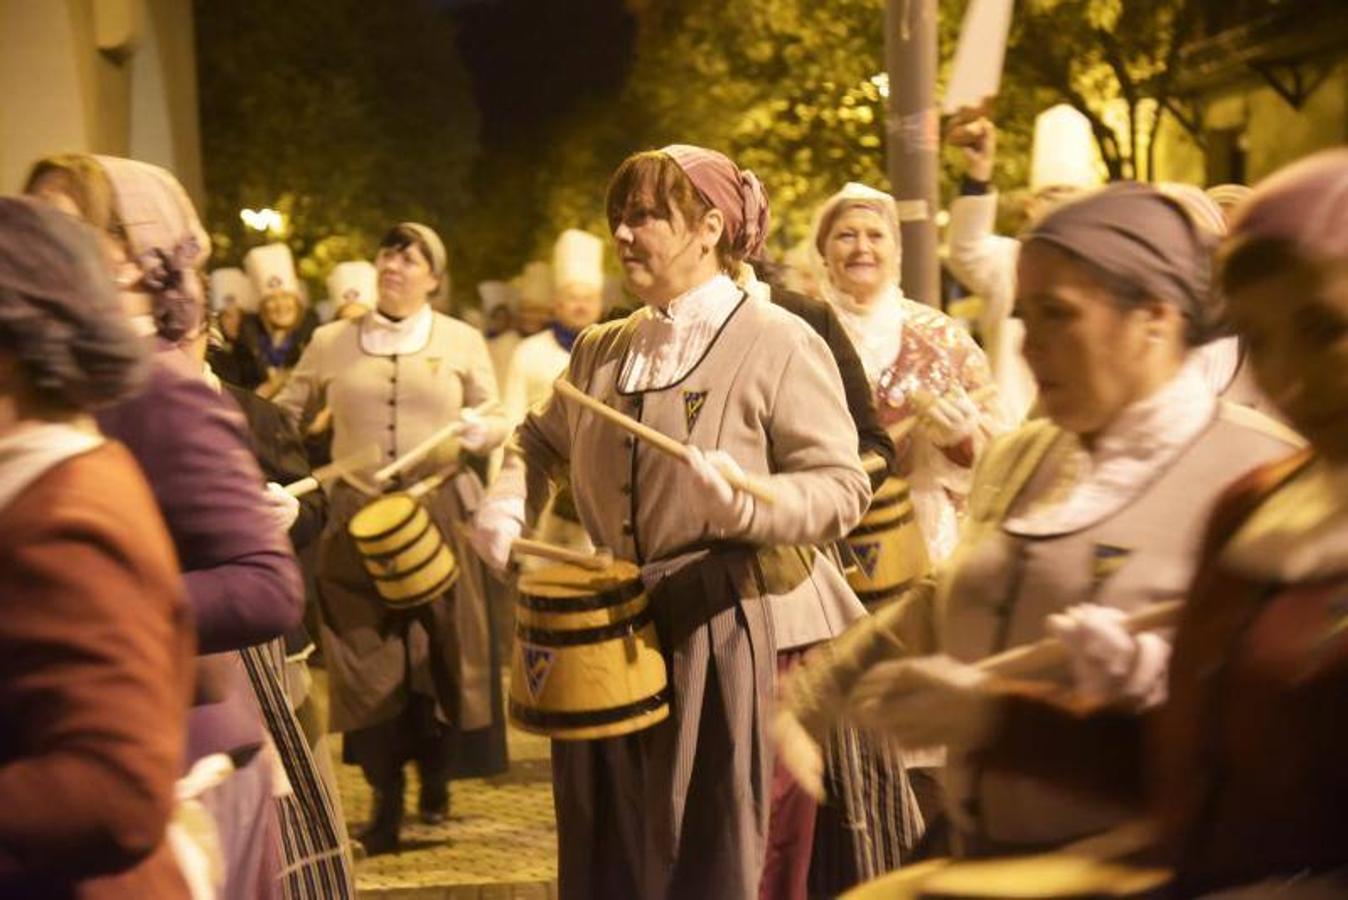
(1065, 153)
(578, 260)
(231, 287)
(353, 282)
(535, 285)
(272, 270)
(496, 294)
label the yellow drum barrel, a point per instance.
(403, 551)
(586, 662)
(889, 551)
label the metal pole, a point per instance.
(913, 131)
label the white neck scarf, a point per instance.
(876, 329)
(1088, 486)
(668, 343)
(382, 336)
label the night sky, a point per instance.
(533, 60)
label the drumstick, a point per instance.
(748, 484)
(598, 560)
(1049, 653)
(417, 453)
(428, 484)
(351, 462)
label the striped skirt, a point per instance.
(315, 855)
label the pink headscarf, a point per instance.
(736, 192)
(165, 237)
(1305, 204)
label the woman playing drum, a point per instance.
(415, 684)
(1245, 760)
(680, 809)
(1101, 504)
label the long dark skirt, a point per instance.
(680, 809)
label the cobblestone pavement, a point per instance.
(500, 841)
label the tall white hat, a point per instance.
(231, 287)
(535, 285)
(353, 282)
(496, 294)
(272, 269)
(578, 260)
(1065, 153)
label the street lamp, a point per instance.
(266, 220)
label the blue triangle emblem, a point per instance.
(537, 665)
(868, 557)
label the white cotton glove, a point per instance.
(724, 509)
(1109, 663)
(476, 434)
(949, 419)
(925, 702)
(284, 509)
(495, 528)
(799, 753)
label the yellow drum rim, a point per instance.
(368, 524)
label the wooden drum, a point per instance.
(586, 662)
(403, 551)
(887, 545)
(1111, 865)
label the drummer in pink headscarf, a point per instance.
(680, 809)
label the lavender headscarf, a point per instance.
(1142, 238)
(59, 312)
(736, 192)
(166, 239)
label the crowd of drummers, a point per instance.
(817, 589)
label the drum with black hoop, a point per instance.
(403, 551)
(586, 662)
(887, 546)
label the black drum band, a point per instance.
(548, 637)
(375, 538)
(410, 570)
(871, 598)
(623, 593)
(425, 596)
(557, 720)
(879, 503)
(866, 530)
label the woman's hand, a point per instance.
(723, 508)
(495, 528)
(949, 419)
(283, 507)
(925, 702)
(476, 434)
(1109, 662)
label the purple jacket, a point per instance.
(242, 580)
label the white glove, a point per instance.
(476, 435)
(1109, 663)
(949, 419)
(495, 527)
(799, 753)
(925, 702)
(284, 508)
(723, 508)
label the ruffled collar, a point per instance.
(382, 336)
(669, 341)
(1088, 486)
(876, 329)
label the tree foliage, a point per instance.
(345, 116)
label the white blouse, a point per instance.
(668, 342)
(1088, 486)
(876, 330)
(382, 336)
